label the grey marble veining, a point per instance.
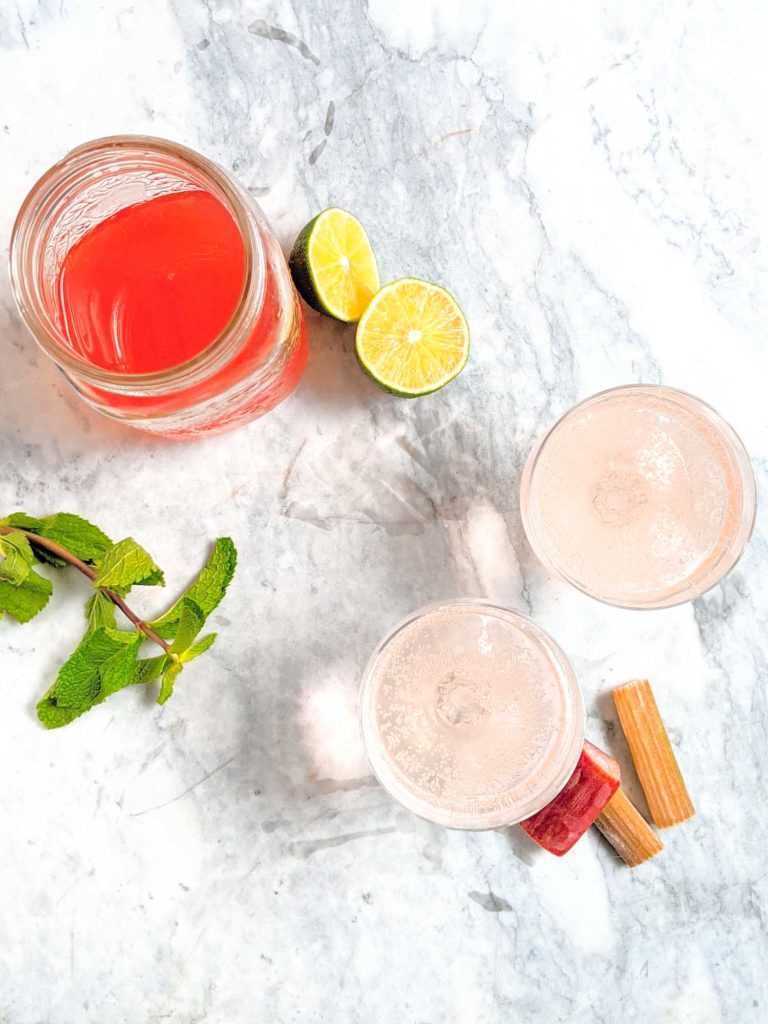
(589, 179)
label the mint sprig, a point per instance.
(107, 658)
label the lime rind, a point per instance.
(299, 266)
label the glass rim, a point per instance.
(571, 747)
(727, 561)
(78, 164)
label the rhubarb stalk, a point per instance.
(627, 830)
(654, 759)
(564, 820)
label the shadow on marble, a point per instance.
(333, 377)
(39, 404)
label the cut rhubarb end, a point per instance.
(627, 830)
(565, 819)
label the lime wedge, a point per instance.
(333, 265)
(413, 338)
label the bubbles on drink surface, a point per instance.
(462, 702)
(467, 708)
(635, 495)
(619, 497)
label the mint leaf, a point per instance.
(169, 678)
(21, 520)
(48, 557)
(24, 600)
(126, 564)
(207, 590)
(149, 669)
(191, 622)
(86, 541)
(53, 717)
(198, 648)
(103, 663)
(78, 683)
(99, 611)
(120, 670)
(17, 558)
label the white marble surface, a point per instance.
(590, 179)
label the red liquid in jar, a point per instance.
(153, 285)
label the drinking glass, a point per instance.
(641, 496)
(471, 715)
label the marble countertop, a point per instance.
(590, 180)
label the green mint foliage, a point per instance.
(48, 558)
(103, 663)
(199, 647)
(22, 521)
(169, 678)
(99, 611)
(119, 671)
(191, 622)
(127, 564)
(86, 541)
(16, 558)
(207, 590)
(24, 600)
(107, 658)
(150, 669)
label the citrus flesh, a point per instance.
(413, 338)
(333, 265)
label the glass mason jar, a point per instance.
(243, 372)
(471, 715)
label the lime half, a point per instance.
(413, 338)
(333, 265)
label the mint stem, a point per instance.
(90, 572)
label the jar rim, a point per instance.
(76, 164)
